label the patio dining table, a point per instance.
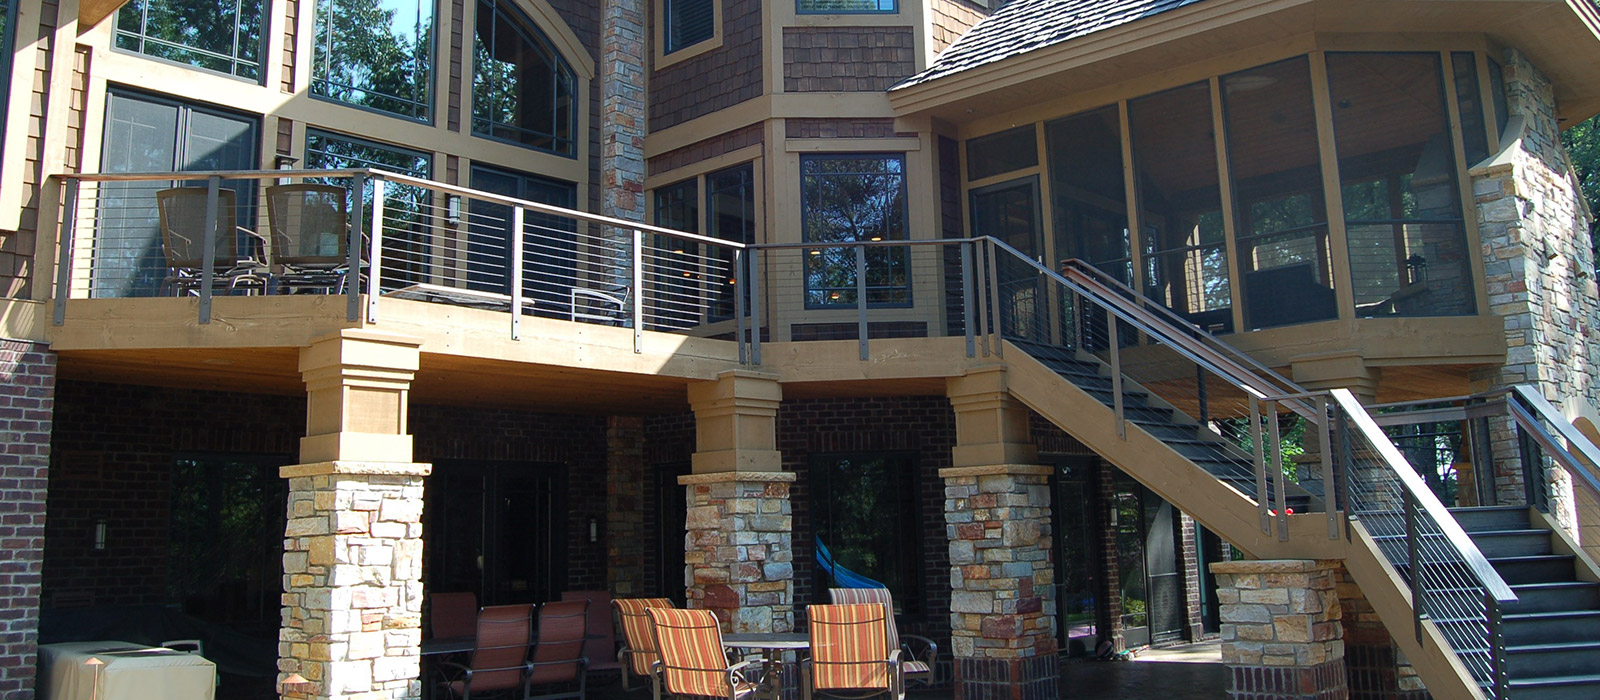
(772, 646)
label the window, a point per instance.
(849, 198)
(865, 525)
(376, 54)
(547, 276)
(523, 92)
(688, 22)
(695, 281)
(829, 7)
(1470, 105)
(225, 562)
(1089, 200)
(1001, 153)
(217, 35)
(407, 249)
(8, 35)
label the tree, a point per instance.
(1583, 144)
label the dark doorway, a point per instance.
(672, 509)
(497, 529)
(226, 559)
(865, 525)
(1079, 554)
(1151, 572)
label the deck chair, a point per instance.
(181, 213)
(499, 659)
(452, 615)
(601, 648)
(638, 654)
(310, 236)
(850, 654)
(913, 667)
(558, 663)
(692, 658)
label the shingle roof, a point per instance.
(1021, 26)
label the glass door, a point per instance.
(550, 259)
(1010, 212)
(497, 529)
(1079, 555)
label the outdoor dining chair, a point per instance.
(601, 649)
(310, 236)
(850, 655)
(913, 667)
(499, 659)
(693, 661)
(181, 214)
(638, 655)
(559, 667)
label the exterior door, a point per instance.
(672, 512)
(1079, 555)
(497, 529)
(550, 263)
(1010, 212)
(1149, 566)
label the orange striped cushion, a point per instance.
(842, 596)
(690, 644)
(848, 647)
(636, 629)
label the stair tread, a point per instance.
(1552, 615)
(1530, 557)
(1554, 680)
(1552, 646)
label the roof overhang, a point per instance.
(1561, 37)
(91, 12)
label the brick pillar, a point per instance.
(1002, 601)
(352, 616)
(1377, 669)
(625, 535)
(1281, 636)
(27, 412)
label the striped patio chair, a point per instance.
(850, 655)
(693, 662)
(638, 654)
(914, 668)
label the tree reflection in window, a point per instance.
(407, 248)
(849, 198)
(376, 54)
(224, 562)
(522, 90)
(219, 35)
(863, 509)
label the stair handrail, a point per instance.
(1530, 405)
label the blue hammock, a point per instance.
(842, 577)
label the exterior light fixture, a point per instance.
(594, 529)
(100, 535)
(452, 208)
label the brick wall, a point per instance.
(847, 59)
(27, 394)
(714, 80)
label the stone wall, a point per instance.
(738, 549)
(625, 523)
(27, 396)
(1281, 631)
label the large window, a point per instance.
(698, 282)
(225, 557)
(822, 7)
(864, 523)
(550, 269)
(376, 54)
(849, 198)
(688, 22)
(523, 92)
(218, 35)
(1088, 199)
(407, 246)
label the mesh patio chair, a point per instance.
(913, 667)
(559, 667)
(693, 662)
(181, 213)
(452, 615)
(638, 654)
(601, 649)
(310, 236)
(850, 654)
(499, 662)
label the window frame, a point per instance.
(701, 198)
(431, 84)
(663, 57)
(905, 215)
(800, 9)
(562, 64)
(8, 42)
(260, 63)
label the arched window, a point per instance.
(522, 90)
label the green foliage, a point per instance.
(212, 34)
(1583, 144)
(375, 53)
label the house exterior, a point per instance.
(791, 309)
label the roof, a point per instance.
(1021, 26)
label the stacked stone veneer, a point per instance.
(27, 396)
(1281, 631)
(352, 580)
(625, 536)
(1002, 600)
(1538, 268)
(737, 551)
(622, 120)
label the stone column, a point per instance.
(737, 554)
(997, 518)
(625, 534)
(27, 415)
(1281, 635)
(352, 615)
(622, 120)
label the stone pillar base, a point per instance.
(1034, 678)
(1281, 632)
(738, 549)
(1324, 681)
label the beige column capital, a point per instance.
(991, 424)
(736, 423)
(358, 386)
(1344, 369)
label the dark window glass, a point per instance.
(1180, 204)
(218, 35)
(1001, 153)
(1470, 104)
(1397, 172)
(1280, 217)
(376, 54)
(865, 525)
(408, 251)
(225, 556)
(848, 198)
(551, 269)
(822, 7)
(1497, 96)
(522, 90)
(689, 22)
(730, 216)
(1088, 200)
(8, 40)
(696, 281)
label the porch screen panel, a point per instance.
(1088, 201)
(1180, 205)
(1280, 216)
(1398, 176)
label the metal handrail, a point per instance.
(1576, 440)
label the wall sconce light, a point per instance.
(452, 208)
(100, 535)
(594, 529)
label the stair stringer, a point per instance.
(1234, 517)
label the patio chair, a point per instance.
(601, 648)
(608, 306)
(638, 655)
(181, 213)
(452, 615)
(310, 236)
(558, 663)
(692, 658)
(500, 657)
(850, 655)
(913, 667)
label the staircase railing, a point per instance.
(1358, 469)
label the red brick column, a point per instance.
(625, 536)
(27, 397)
